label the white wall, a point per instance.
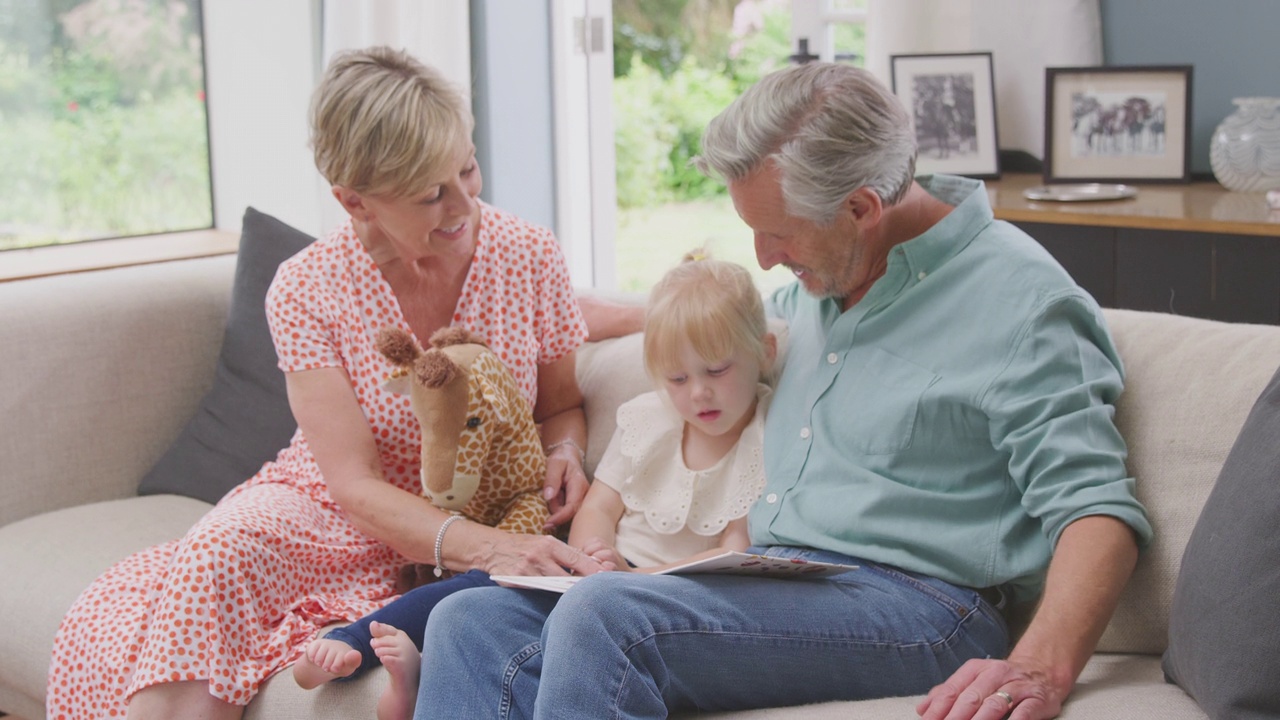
(511, 95)
(261, 63)
(262, 60)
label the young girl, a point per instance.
(675, 482)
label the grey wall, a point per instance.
(1233, 46)
(511, 98)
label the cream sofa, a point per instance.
(102, 369)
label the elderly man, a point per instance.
(943, 421)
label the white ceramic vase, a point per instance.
(1245, 149)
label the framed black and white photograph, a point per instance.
(1118, 124)
(952, 101)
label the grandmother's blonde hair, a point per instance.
(385, 124)
(713, 304)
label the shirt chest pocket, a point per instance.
(873, 407)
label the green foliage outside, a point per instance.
(676, 66)
(102, 120)
(664, 96)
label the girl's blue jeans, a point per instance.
(621, 645)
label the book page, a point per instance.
(726, 563)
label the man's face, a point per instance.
(828, 261)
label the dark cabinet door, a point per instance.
(1246, 279)
(1235, 278)
(1086, 252)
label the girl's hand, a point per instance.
(607, 555)
(565, 486)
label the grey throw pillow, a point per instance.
(1223, 627)
(245, 418)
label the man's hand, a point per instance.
(993, 689)
(1094, 558)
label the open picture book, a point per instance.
(728, 562)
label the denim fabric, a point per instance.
(622, 645)
(408, 612)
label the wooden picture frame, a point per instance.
(952, 102)
(1118, 124)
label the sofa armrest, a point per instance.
(102, 369)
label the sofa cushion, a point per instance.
(244, 419)
(49, 559)
(1222, 630)
(1189, 384)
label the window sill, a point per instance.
(123, 252)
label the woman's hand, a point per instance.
(565, 486)
(564, 434)
(608, 319)
(509, 554)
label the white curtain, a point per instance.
(437, 32)
(1023, 36)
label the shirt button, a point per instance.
(832, 358)
(771, 498)
(805, 433)
(922, 275)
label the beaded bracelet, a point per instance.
(440, 543)
(582, 454)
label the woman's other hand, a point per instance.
(607, 319)
(565, 486)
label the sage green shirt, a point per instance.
(956, 419)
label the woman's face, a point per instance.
(440, 219)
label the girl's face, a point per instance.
(714, 398)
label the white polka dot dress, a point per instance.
(238, 598)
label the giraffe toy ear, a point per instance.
(398, 383)
(397, 346)
(444, 337)
(491, 372)
(495, 399)
(434, 369)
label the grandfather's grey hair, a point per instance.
(830, 128)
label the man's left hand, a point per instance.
(994, 689)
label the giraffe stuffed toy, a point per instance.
(482, 456)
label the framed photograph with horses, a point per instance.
(1118, 124)
(952, 101)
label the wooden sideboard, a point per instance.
(1195, 249)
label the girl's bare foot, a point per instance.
(323, 661)
(401, 659)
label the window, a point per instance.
(677, 63)
(103, 127)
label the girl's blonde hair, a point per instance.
(712, 304)
(384, 124)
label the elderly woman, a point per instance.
(193, 627)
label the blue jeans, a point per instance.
(409, 613)
(620, 645)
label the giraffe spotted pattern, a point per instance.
(481, 453)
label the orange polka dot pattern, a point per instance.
(238, 598)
